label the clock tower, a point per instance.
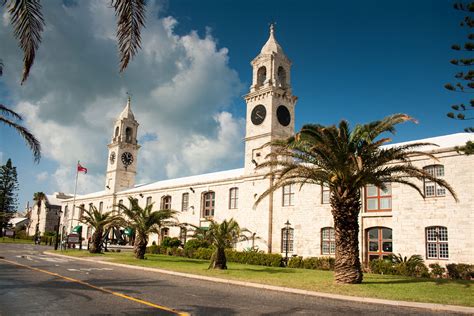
(123, 150)
(270, 103)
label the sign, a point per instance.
(73, 238)
(9, 233)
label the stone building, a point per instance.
(46, 217)
(398, 220)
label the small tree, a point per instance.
(144, 221)
(222, 236)
(99, 222)
(465, 78)
(8, 193)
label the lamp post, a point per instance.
(56, 244)
(287, 233)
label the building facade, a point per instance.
(45, 218)
(397, 220)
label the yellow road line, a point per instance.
(98, 288)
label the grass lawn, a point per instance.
(8, 240)
(452, 292)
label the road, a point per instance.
(32, 283)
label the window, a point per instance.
(377, 199)
(182, 234)
(261, 75)
(431, 188)
(116, 131)
(90, 207)
(185, 202)
(101, 206)
(128, 135)
(328, 241)
(148, 200)
(166, 202)
(379, 243)
(287, 239)
(81, 210)
(437, 242)
(120, 202)
(164, 232)
(288, 195)
(66, 211)
(233, 197)
(281, 74)
(208, 204)
(325, 195)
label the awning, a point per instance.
(77, 229)
(128, 231)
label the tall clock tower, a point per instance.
(270, 103)
(123, 150)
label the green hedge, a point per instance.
(256, 258)
(314, 263)
(460, 271)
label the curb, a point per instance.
(359, 299)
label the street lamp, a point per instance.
(287, 233)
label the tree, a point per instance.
(346, 161)
(38, 197)
(222, 236)
(10, 118)
(27, 20)
(144, 221)
(99, 222)
(8, 195)
(465, 78)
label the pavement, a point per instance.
(33, 282)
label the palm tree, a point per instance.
(26, 17)
(38, 197)
(223, 236)
(346, 161)
(99, 222)
(144, 221)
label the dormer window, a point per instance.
(261, 76)
(128, 135)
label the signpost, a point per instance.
(72, 240)
(9, 233)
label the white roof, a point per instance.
(446, 141)
(16, 220)
(53, 200)
(192, 180)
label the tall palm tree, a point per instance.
(144, 221)
(346, 161)
(99, 222)
(222, 236)
(38, 197)
(26, 17)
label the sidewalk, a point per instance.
(428, 306)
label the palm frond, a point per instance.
(29, 138)
(27, 21)
(131, 18)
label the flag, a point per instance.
(81, 168)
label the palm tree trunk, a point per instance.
(139, 246)
(347, 268)
(220, 261)
(96, 241)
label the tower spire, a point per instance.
(272, 46)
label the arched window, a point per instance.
(437, 242)
(128, 135)
(431, 188)
(166, 202)
(148, 200)
(281, 74)
(164, 232)
(117, 131)
(208, 204)
(328, 241)
(233, 197)
(379, 243)
(261, 76)
(287, 239)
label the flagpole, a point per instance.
(74, 199)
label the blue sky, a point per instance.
(354, 60)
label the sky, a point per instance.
(353, 60)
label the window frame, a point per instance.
(290, 194)
(329, 241)
(437, 242)
(380, 241)
(233, 199)
(208, 212)
(165, 202)
(325, 189)
(184, 202)
(101, 206)
(148, 201)
(377, 197)
(183, 231)
(437, 187)
(291, 239)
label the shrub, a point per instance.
(319, 263)
(381, 266)
(203, 253)
(295, 262)
(169, 242)
(192, 245)
(437, 271)
(460, 271)
(413, 266)
(153, 249)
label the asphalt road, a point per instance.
(32, 283)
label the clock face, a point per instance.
(127, 158)
(112, 157)
(258, 114)
(283, 115)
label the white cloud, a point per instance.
(182, 87)
(42, 176)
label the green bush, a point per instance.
(381, 266)
(203, 253)
(437, 271)
(319, 263)
(194, 244)
(460, 271)
(170, 242)
(295, 262)
(414, 266)
(255, 258)
(153, 249)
